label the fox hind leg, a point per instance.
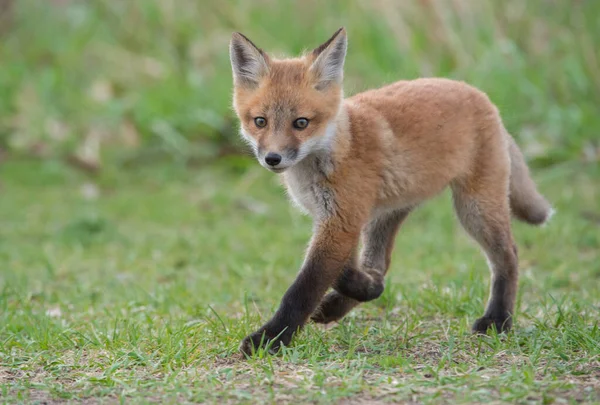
(365, 282)
(485, 215)
(333, 307)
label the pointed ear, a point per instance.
(249, 63)
(328, 65)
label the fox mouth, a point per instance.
(278, 169)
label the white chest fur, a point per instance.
(307, 186)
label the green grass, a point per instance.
(138, 285)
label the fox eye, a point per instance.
(260, 122)
(301, 123)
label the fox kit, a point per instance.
(359, 166)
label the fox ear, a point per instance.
(328, 64)
(249, 63)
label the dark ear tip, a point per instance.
(237, 36)
(340, 32)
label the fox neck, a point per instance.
(309, 182)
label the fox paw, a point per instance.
(262, 339)
(485, 323)
(361, 285)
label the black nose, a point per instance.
(272, 159)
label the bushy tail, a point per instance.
(526, 203)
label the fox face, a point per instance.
(287, 108)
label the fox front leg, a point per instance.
(333, 243)
(364, 282)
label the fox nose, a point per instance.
(273, 159)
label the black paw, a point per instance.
(485, 323)
(262, 339)
(360, 285)
(333, 307)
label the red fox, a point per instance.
(359, 166)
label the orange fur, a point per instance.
(380, 152)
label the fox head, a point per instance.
(287, 107)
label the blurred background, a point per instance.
(139, 238)
(109, 84)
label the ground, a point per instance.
(138, 285)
